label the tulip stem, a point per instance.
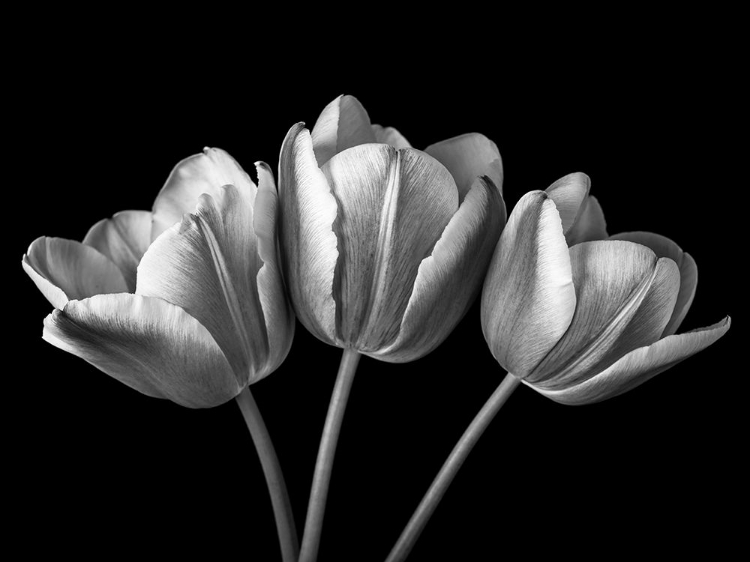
(327, 450)
(450, 468)
(282, 507)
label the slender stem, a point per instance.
(324, 464)
(450, 468)
(282, 507)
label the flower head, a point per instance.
(185, 302)
(385, 246)
(579, 316)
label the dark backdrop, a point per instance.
(97, 467)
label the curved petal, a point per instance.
(202, 173)
(449, 279)
(343, 123)
(625, 297)
(148, 344)
(123, 239)
(468, 157)
(638, 366)
(65, 270)
(590, 224)
(307, 241)
(664, 247)
(569, 194)
(389, 135)
(208, 265)
(394, 205)
(276, 310)
(528, 298)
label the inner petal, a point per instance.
(624, 295)
(393, 207)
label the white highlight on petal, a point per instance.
(308, 242)
(528, 300)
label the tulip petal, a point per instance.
(625, 296)
(276, 310)
(394, 205)
(638, 366)
(590, 224)
(148, 344)
(308, 243)
(528, 298)
(64, 270)
(343, 123)
(389, 135)
(123, 239)
(208, 265)
(569, 194)
(202, 173)
(468, 157)
(449, 279)
(664, 247)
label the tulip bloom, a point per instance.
(574, 313)
(584, 323)
(384, 246)
(185, 302)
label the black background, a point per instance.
(96, 468)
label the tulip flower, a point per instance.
(384, 246)
(576, 314)
(189, 308)
(585, 323)
(185, 302)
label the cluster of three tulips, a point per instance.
(379, 249)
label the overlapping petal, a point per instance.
(123, 239)
(664, 247)
(389, 135)
(449, 279)
(148, 344)
(468, 157)
(202, 173)
(625, 295)
(342, 124)
(581, 214)
(208, 265)
(528, 300)
(393, 207)
(308, 243)
(637, 367)
(64, 270)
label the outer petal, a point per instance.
(208, 265)
(123, 239)
(276, 310)
(625, 297)
(394, 205)
(308, 243)
(148, 344)
(449, 280)
(342, 124)
(638, 366)
(193, 176)
(389, 135)
(664, 247)
(590, 224)
(528, 298)
(468, 157)
(63, 270)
